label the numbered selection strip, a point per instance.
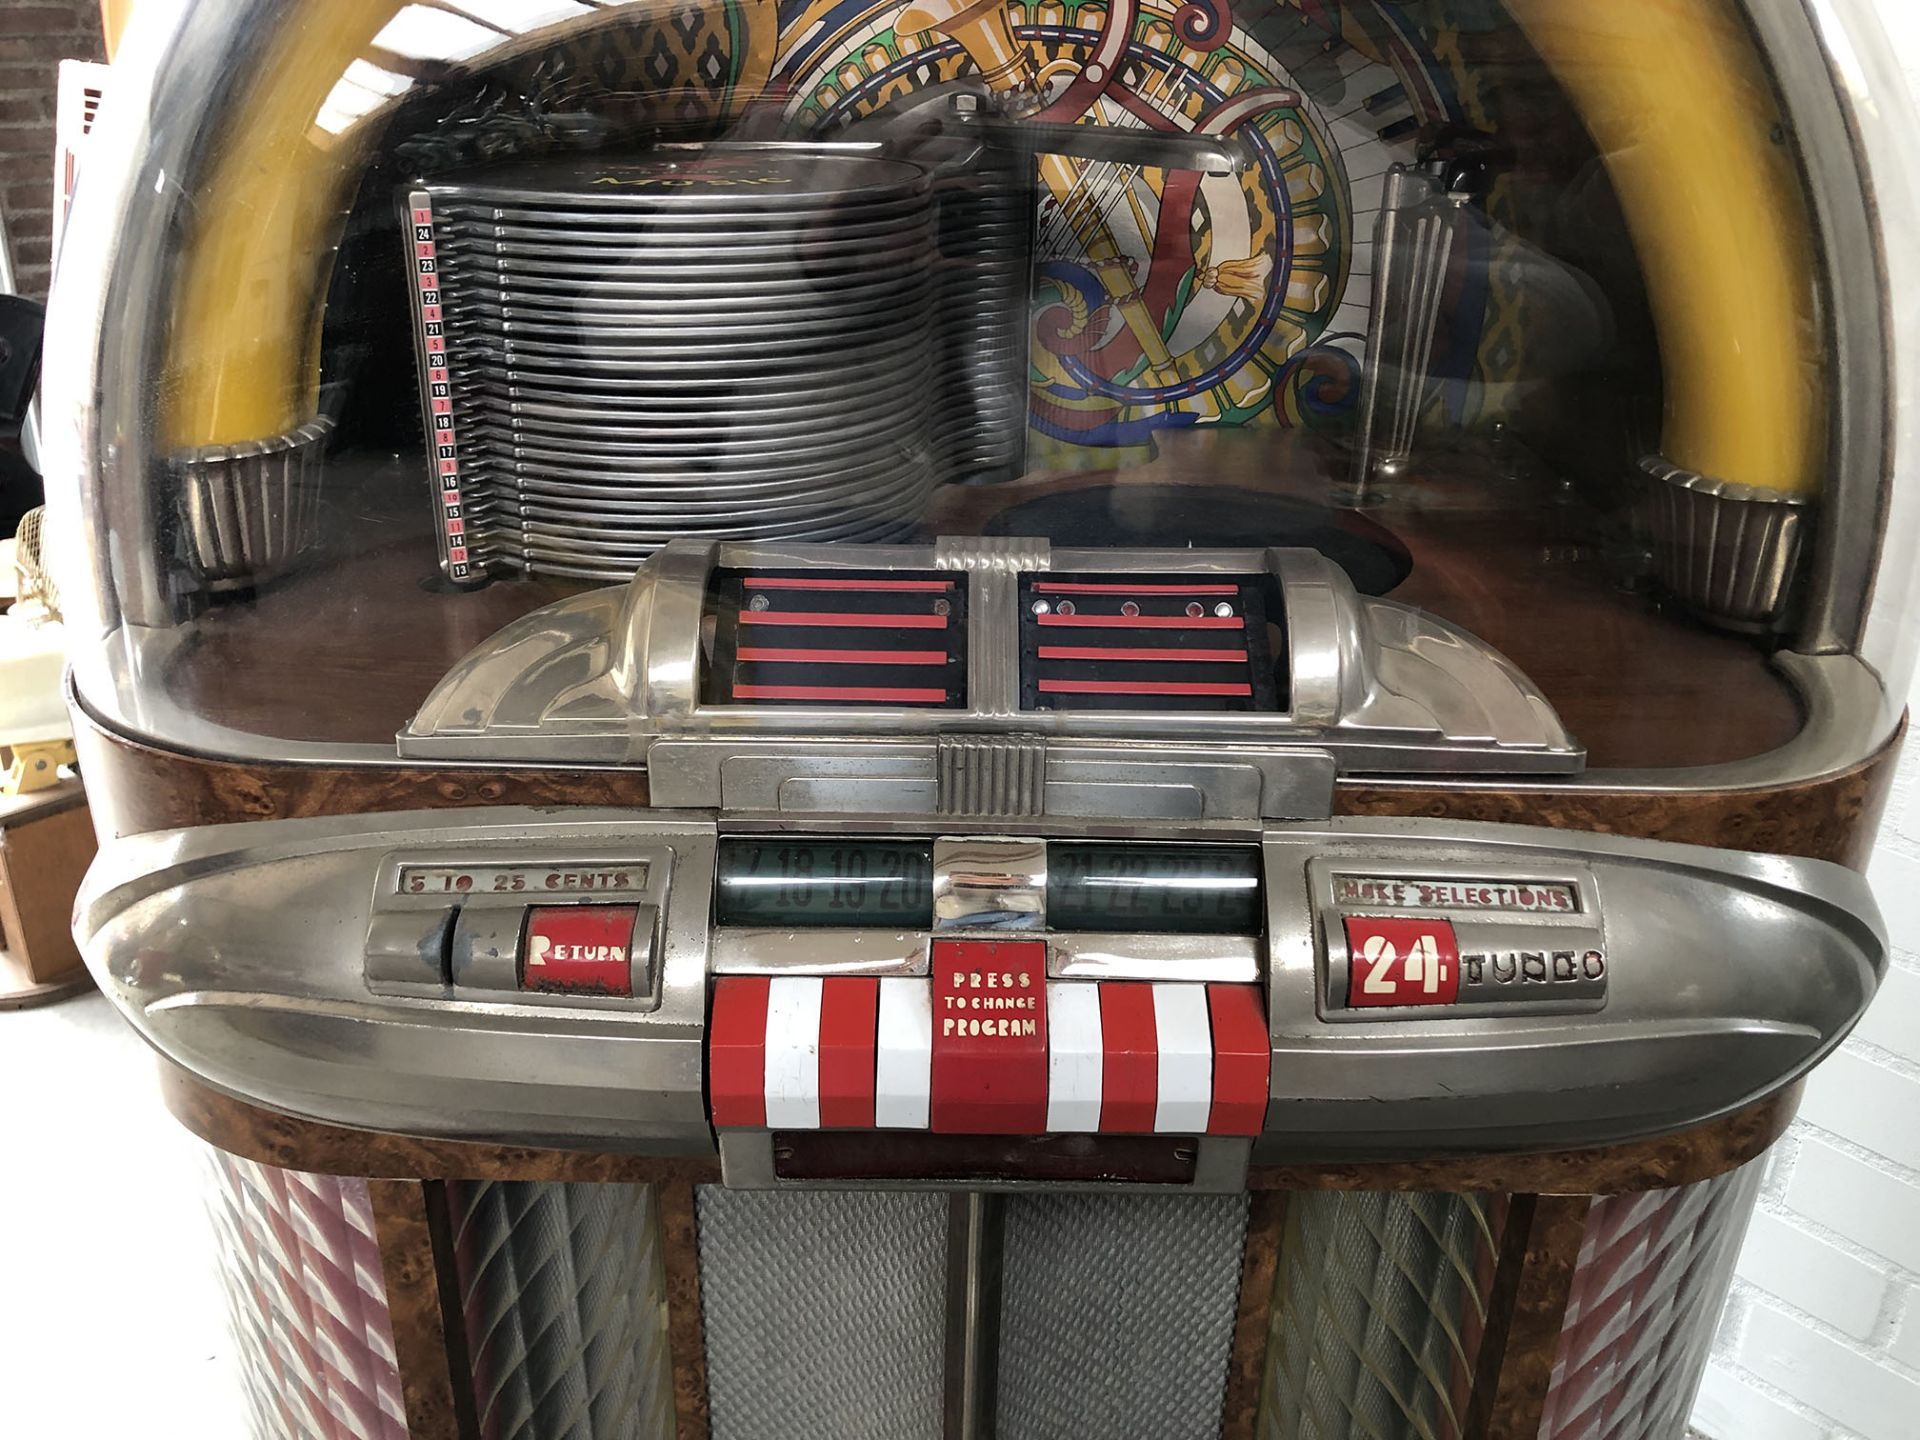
(586, 877)
(1429, 967)
(1410, 941)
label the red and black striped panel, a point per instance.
(1125, 642)
(838, 637)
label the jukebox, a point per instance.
(851, 718)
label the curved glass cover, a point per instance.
(396, 322)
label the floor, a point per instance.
(112, 1321)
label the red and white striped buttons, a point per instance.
(811, 1052)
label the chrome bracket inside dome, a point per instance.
(1311, 682)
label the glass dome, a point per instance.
(395, 323)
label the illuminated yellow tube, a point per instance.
(1674, 94)
(243, 362)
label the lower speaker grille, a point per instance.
(1653, 1274)
(563, 1294)
(307, 1299)
(825, 1313)
(1117, 1315)
(1378, 1313)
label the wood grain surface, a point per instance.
(256, 1133)
(137, 787)
(429, 1343)
(1539, 1251)
(1253, 1314)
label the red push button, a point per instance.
(580, 948)
(989, 1067)
(1401, 962)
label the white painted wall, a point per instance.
(1821, 1340)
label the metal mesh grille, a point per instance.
(1653, 1274)
(307, 1301)
(1379, 1306)
(563, 1294)
(825, 1313)
(1117, 1315)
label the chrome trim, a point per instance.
(990, 776)
(1729, 552)
(1130, 955)
(989, 885)
(1478, 931)
(239, 951)
(900, 778)
(251, 510)
(1413, 243)
(794, 951)
(1855, 219)
(976, 1245)
(1730, 975)
(1848, 718)
(263, 991)
(1378, 686)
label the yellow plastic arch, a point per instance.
(244, 359)
(1675, 96)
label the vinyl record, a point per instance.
(634, 549)
(664, 503)
(506, 247)
(472, 324)
(614, 477)
(535, 517)
(719, 274)
(538, 560)
(843, 444)
(713, 233)
(622, 387)
(671, 444)
(694, 364)
(636, 492)
(678, 416)
(855, 384)
(642, 320)
(706, 180)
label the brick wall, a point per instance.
(1822, 1338)
(35, 36)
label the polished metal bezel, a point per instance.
(1374, 686)
(1477, 930)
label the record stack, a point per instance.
(719, 341)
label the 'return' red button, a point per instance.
(1401, 962)
(580, 948)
